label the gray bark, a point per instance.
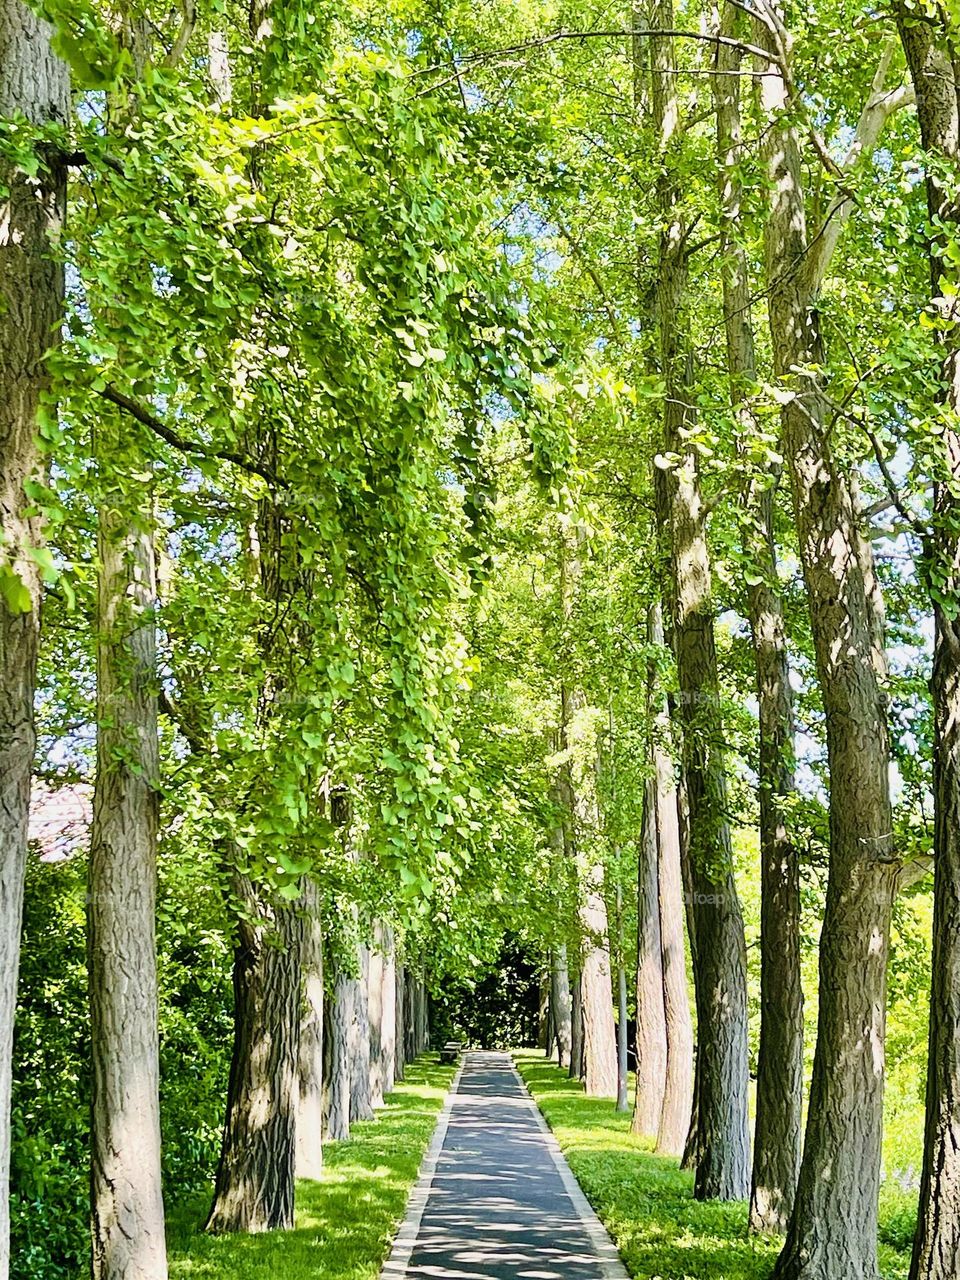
(400, 1056)
(779, 1102)
(361, 1103)
(576, 1036)
(375, 1015)
(561, 1002)
(622, 1033)
(309, 1162)
(651, 1013)
(582, 826)
(675, 1113)
(32, 81)
(723, 1156)
(388, 1017)
(255, 1177)
(423, 1013)
(832, 1233)
(337, 1058)
(127, 1223)
(931, 51)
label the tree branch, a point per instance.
(881, 104)
(541, 42)
(149, 420)
(189, 21)
(891, 485)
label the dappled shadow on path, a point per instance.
(497, 1207)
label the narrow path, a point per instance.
(496, 1199)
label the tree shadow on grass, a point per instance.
(345, 1223)
(646, 1201)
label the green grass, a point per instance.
(646, 1202)
(346, 1222)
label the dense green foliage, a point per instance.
(361, 328)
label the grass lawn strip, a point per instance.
(346, 1222)
(646, 1202)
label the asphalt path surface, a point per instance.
(497, 1201)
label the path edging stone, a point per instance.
(403, 1243)
(609, 1258)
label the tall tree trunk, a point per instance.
(309, 1162)
(400, 1058)
(410, 1013)
(545, 1031)
(255, 1184)
(561, 1002)
(375, 1014)
(337, 1058)
(582, 831)
(832, 1233)
(255, 1177)
(32, 82)
(388, 1001)
(596, 991)
(723, 1165)
(423, 1012)
(126, 1201)
(678, 1082)
(576, 1036)
(651, 1012)
(931, 48)
(598, 1044)
(361, 1103)
(622, 1012)
(675, 1115)
(779, 1103)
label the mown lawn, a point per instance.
(646, 1201)
(345, 1223)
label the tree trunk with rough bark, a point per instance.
(410, 1013)
(623, 1015)
(832, 1234)
(596, 991)
(577, 790)
(931, 49)
(779, 1101)
(309, 1162)
(545, 1031)
(561, 1002)
(400, 1058)
(34, 82)
(375, 1014)
(361, 1102)
(723, 1164)
(576, 1034)
(423, 1013)
(651, 1044)
(674, 1123)
(255, 1177)
(127, 1224)
(388, 1001)
(337, 1058)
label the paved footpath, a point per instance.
(496, 1199)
